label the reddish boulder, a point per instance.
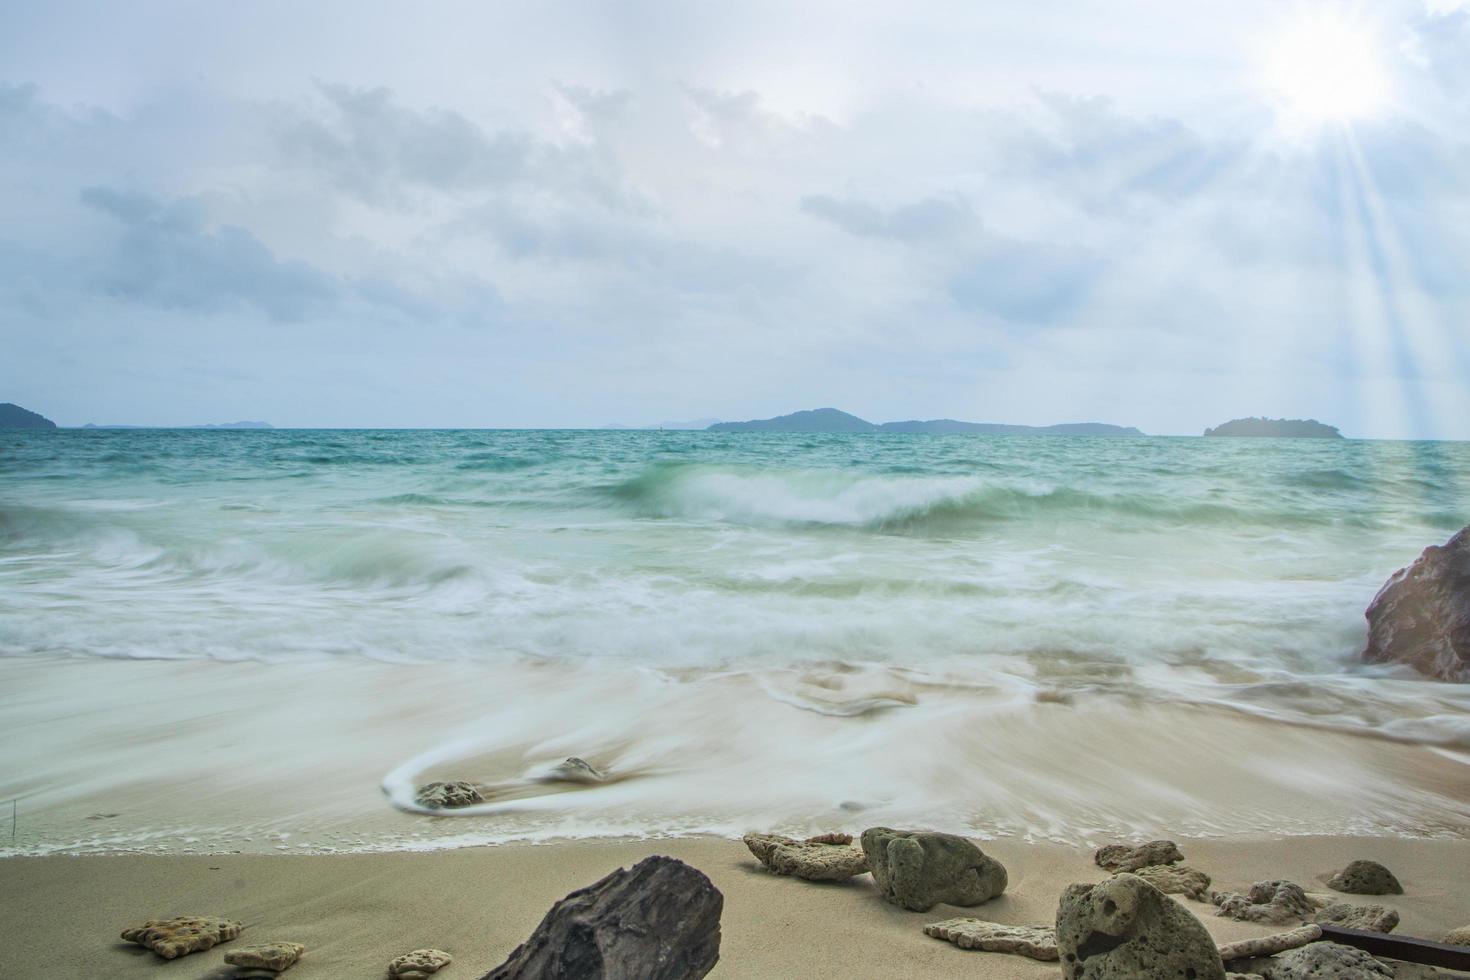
(1421, 616)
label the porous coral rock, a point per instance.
(1365, 878)
(419, 964)
(828, 857)
(1126, 929)
(1037, 942)
(448, 796)
(1123, 857)
(172, 938)
(1274, 901)
(1371, 918)
(1177, 880)
(1321, 961)
(919, 869)
(266, 956)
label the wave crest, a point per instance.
(906, 503)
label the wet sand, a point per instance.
(60, 916)
(164, 757)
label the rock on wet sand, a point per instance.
(919, 869)
(1370, 918)
(1037, 942)
(575, 770)
(1319, 961)
(659, 920)
(273, 957)
(1273, 901)
(1365, 878)
(419, 964)
(172, 938)
(829, 857)
(1126, 929)
(1124, 857)
(1177, 880)
(448, 796)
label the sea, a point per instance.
(1049, 636)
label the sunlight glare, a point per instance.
(1325, 67)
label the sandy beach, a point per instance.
(450, 453)
(60, 916)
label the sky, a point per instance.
(555, 214)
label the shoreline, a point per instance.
(168, 757)
(60, 915)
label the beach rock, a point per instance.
(1421, 616)
(829, 857)
(919, 869)
(1269, 945)
(1177, 880)
(419, 964)
(266, 956)
(1126, 929)
(1365, 878)
(1412, 971)
(448, 796)
(1268, 901)
(172, 938)
(575, 770)
(1457, 937)
(1321, 961)
(1122, 857)
(1037, 942)
(1371, 918)
(659, 920)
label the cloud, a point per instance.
(653, 214)
(1436, 44)
(927, 219)
(367, 143)
(165, 256)
(1012, 279)
(1083, 146)
(373, 147)
(1025, 281)
(596, 104)
(741, 120)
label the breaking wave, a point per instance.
(902, 502)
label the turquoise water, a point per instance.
(703, 549)
(851, 577)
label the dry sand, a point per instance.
(60, 916)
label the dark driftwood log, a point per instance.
(1404, 948)
(658, 921)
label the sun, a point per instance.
(1325, 66)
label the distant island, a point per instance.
(1276, 429)
(833, 420)
(14, 417)
(216, 425)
